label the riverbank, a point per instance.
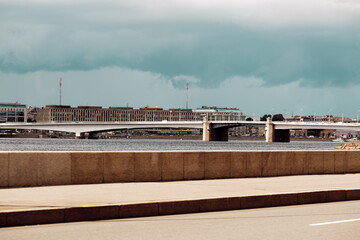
(350, 146)
(20, 135)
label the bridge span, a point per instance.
(212, 131)
(93, 128)
(280, 131)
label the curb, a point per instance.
(92, 213)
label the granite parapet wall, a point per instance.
(25, 169)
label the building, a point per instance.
(66, 113)
(225, 114)
(326, 133)
(13, 112)
(220, 114)
(62, 113)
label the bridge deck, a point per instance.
(95, 127)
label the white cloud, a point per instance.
(251, 96)
(258, 13)
(119, 87)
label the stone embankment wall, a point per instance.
(22, 169)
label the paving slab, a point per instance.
(115, 200)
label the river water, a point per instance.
(21, 144)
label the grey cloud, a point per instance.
(66, 37)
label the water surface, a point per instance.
(21, 144)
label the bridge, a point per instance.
(93, 128)
(280, 131)
(212, 131)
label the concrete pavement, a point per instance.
(41, 205)
(338, 221)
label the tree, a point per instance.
(249, 119)
(276, 117)
(264, 118)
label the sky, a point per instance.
(295, 57)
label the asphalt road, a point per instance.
(328, 221)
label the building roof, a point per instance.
(15, 104)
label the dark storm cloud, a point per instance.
(65, 37)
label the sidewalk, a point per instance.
(41, 205)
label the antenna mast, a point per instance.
(60, 90)
(187, 95)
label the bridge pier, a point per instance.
(273, 135)
(214, 134)
(79, 135)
